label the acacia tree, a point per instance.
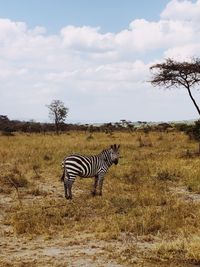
(172, 73)
(57, 113)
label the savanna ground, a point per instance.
(149, 214)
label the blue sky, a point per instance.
(95, 56)
(110, 15)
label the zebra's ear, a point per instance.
(115, 147)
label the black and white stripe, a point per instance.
(88, 166)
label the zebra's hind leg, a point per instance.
(94, 192)
(66, 187)
(68, 182)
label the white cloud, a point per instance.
(182, 10)
(148, 36)
(184, 52)
(87, 39)
(81, 65)
(10, 30)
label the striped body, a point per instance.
(88, 166)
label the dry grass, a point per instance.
(137, 198)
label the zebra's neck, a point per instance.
(105, 154)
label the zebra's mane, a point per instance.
(105, 151)
(105, 154)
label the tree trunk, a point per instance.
(56, 123)
(57, 128)
(193, 100)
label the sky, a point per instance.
(95, 55)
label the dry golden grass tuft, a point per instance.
(137, 201)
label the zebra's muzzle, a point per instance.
(116, 161)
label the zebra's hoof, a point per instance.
(93, 193)
(68, 197)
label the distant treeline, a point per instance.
(8, 126)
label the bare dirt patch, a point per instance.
(185, 194)
(57, 250)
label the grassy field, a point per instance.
(149, 214)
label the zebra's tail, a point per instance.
(63, 176)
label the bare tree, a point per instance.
(58, 113)
(172, 73)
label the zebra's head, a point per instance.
(114, 153)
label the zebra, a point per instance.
(88, 166)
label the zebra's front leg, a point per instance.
(101, 179)
(94, 192)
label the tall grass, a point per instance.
(137, 198)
